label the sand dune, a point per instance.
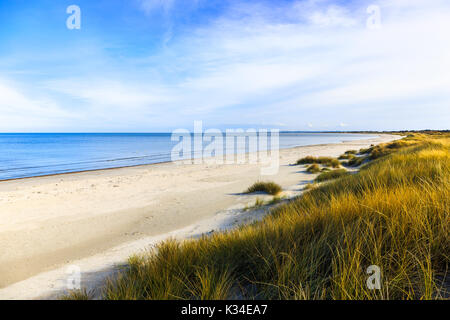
(96, 219)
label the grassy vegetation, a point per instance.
(275, 200)
(77, 295)
(310, 186)
(347, 156)
(393, 213)
(333, 174)
(365, 150)
(313, 168)
(267, 187)
(326, 161)
(356, 161)
(258, 204)
(375, 152)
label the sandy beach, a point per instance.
(96, 219)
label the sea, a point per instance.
(38, 154)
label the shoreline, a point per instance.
(99, 227)
(169, 161)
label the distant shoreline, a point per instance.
(74, 171)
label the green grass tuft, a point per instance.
(310, 186)
(306, 160)
(329, 175)
(356, 161)
(326, 161)
(313, 168)
(347, 156)
(77, 295)
(267, 187)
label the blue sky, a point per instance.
(155, 65)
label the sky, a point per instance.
(160, 65)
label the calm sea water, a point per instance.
(27, 155)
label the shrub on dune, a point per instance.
(356, 161)
(314, 168)
(266, 187)
(346, 156)
(365, 150)
(306, 160)
(326, 161)
(333, 174)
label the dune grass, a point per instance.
(326, 161)
(356, 161)
(276, 199)
(81, 294)
(393, 213)
(349, 154)
(333, 174)
(313, 168)
(266, 187)
(310, 186)
(375, 152)
(346, 156)
(258, 204)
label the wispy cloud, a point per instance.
(151, 5)
(20, 112)
(299, 64)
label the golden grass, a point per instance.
(356, 161)
(326, 161)
(313, 168)
(258, 204)
(347, 156)
(78, 295)
(394, 213)
(267, 187)
(333, 174)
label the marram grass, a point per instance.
(313, 168)
(394, 213)
(266, 187)
(326, 161)
(332, 174)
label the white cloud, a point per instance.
(295, 65)
(110, 93)
(150, 5)
(19, 112)
(332, 16)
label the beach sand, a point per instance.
(95, 220)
